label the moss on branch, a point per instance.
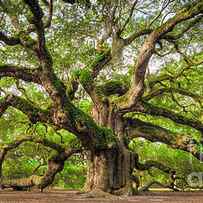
(112, 87)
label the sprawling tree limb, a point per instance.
(180, 91)
(19, 39)
(160, 111)
(51, 83)
(147, 50)
(136, 34)
(150, 164)
(171, 37)
(48, 143)
(9, 40)
(136, 128)
(34, 114)
(55, 165)
(5, 149)
(137, 165)
(65, 114)
(78, 123)
(148, 185)
(22, 73)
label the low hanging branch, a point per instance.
(150, 184)
(150, 164)
(160, 111)
(144, 166)
(55, 164)
(136, 128)
(171, 186)
(45, 142)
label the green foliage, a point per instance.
(85, 105)
(71, 40)
(85, 77)
(73, 175)
(178, 160)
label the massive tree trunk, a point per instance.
(110, 169)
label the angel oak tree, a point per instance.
(28, 26)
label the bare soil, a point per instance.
(62, 196)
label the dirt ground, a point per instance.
(59, 196)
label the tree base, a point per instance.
(98, 193)
(126, 191)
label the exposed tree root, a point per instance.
(128, 190)
(98, 193)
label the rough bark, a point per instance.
(110, 171)
(55, 165)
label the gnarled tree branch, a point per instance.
(147, 50)
(9, 40)
(34, 114)
(137, 128)
(22, 73)
(151, 164)
(180, 91)
(160, 111)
